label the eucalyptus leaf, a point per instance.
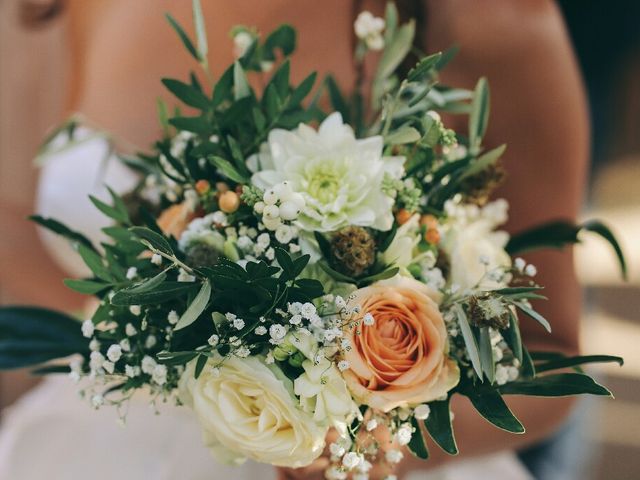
(241, 86)
(187, 94)
(479, 117)
(186, 41)
(62, 230)
(567, 362)
(87, 287)
(201, 31)
(486, 354)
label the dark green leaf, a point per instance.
(601, 229)
(469, 340)
(200, 364)
(566, 362)
(387, 273)
(533, 314)
(338, 101)
(62, 230)
(110, 211)
(486, 354)
(87, 287)
(282, 38)
(196, 307)
(187, 94)
(148, 284)
(227, 169)
(334, 274)
(417, 445)
(439, 426)
(302, 90)
(154, 239)
(183, 36)
(557, 385)
(491, 406)
(512, 336)
(94, 262)
(479, 117)
(163, 293)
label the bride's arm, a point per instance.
(538, 108)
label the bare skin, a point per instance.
(538, 107)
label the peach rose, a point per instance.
(402, 359)
(174, 220)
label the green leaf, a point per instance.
(335, 274)
(109, 211)
(512, 336)
(479, 117)
(199, 125)
(557, 385)
(533, 314)
(483, 162)
(403, 135)
(30, 336)
(155, 240)
(200, 364)
(424, 66)
(282, 38)
(285, 262)
(302, 90)
(439, 426)
(94, 262)
(486, 354)
(148, 284)
(558, 233)
(601, 229)
(227, 169)
(280, 79)
(223, 87)
(566, 362)
(337, 99)
(241, 86)
(87, 287)
(183, 36)
(417, 446)
(201, 31)
(196, 307)
(163, 293)
(187, 94)
(62, 230)
(469, 340)
(395, 51)
(387, 273)
(491, 406)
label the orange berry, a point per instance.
(229, 202)
(403, 216)
(429, 221)
(202, 186)
(432, 236)
(222, 187)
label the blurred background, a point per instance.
(606, 36)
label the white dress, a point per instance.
(52, 434)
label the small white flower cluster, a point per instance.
(369, 29)
(521, 265)
(346, 461)
(494, 213)
(506, 371)
(204, 230)
(279, 204)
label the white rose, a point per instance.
(247, 410)
(475, 248)
(338, 176)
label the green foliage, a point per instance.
(417, 445)
(559, 233)
(31, 336)
(439, 426)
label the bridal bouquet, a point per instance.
(282, 270)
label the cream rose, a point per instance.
(402, 359)
(474, 246)
(247, 410)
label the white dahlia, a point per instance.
(338, 175)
